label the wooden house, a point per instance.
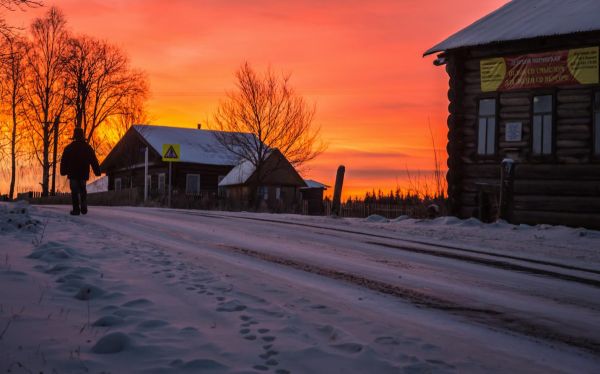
(278, 188)
(312, 197)
(524, 87)
(202, 164)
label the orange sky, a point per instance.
(359, 61)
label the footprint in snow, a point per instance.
(137, 303)
(349, 347)
(387, 340)
(230, 306)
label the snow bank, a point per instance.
(16, 217)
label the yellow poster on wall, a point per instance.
(549, 69)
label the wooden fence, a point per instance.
(209, 201)
(390, 211)
(128, 196)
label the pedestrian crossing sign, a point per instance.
(171, 152)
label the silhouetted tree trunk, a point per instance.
(47, 85)
(12, 81)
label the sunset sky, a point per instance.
(360, 62)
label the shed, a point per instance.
(524, 87)
(278, 188)
(312, 196)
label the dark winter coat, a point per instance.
(77, 159)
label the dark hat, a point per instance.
(78, 133)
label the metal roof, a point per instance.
(526, 19)
(197, 146)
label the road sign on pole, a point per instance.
(171, 153)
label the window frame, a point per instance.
(187, 178)
(263, 193)
(494, 153)
(552, 154)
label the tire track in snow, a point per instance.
(504, 265)
(487, 317)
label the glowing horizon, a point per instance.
(359, 62)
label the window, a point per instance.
(192, 184)
(117, 184)
(542, 125)
(263, 192)
(161, 182)
(486, 144)
(597, 124)
(278, 193)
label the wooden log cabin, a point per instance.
(524, 86)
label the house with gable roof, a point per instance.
(203, 161)
(205, 170)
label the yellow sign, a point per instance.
(548, 69)
(171, 152)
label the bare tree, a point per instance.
(267, 107)
(46, 86)
(12, 80)
(11, 6)
(101, 83)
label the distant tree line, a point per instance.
(51, 81)
(395, 197)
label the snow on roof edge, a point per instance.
(525, 19)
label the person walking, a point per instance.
(76, 160)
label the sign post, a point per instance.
(170, 153)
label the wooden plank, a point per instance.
(584, 129)
(572, 144)
(482, 171)
(591, 221)
(574, 204)
(515, 101)
(556, 187)
(574, 121)
(577, 105)
(555, 171)
(573, 113)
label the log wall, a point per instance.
(563, 188)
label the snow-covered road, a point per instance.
(177, 291)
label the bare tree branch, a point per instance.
(267, 107)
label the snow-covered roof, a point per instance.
(314, 184)
(197, 146)
(526, 19)
(99, 185)
(239, 174)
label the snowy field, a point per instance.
(148, 290)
